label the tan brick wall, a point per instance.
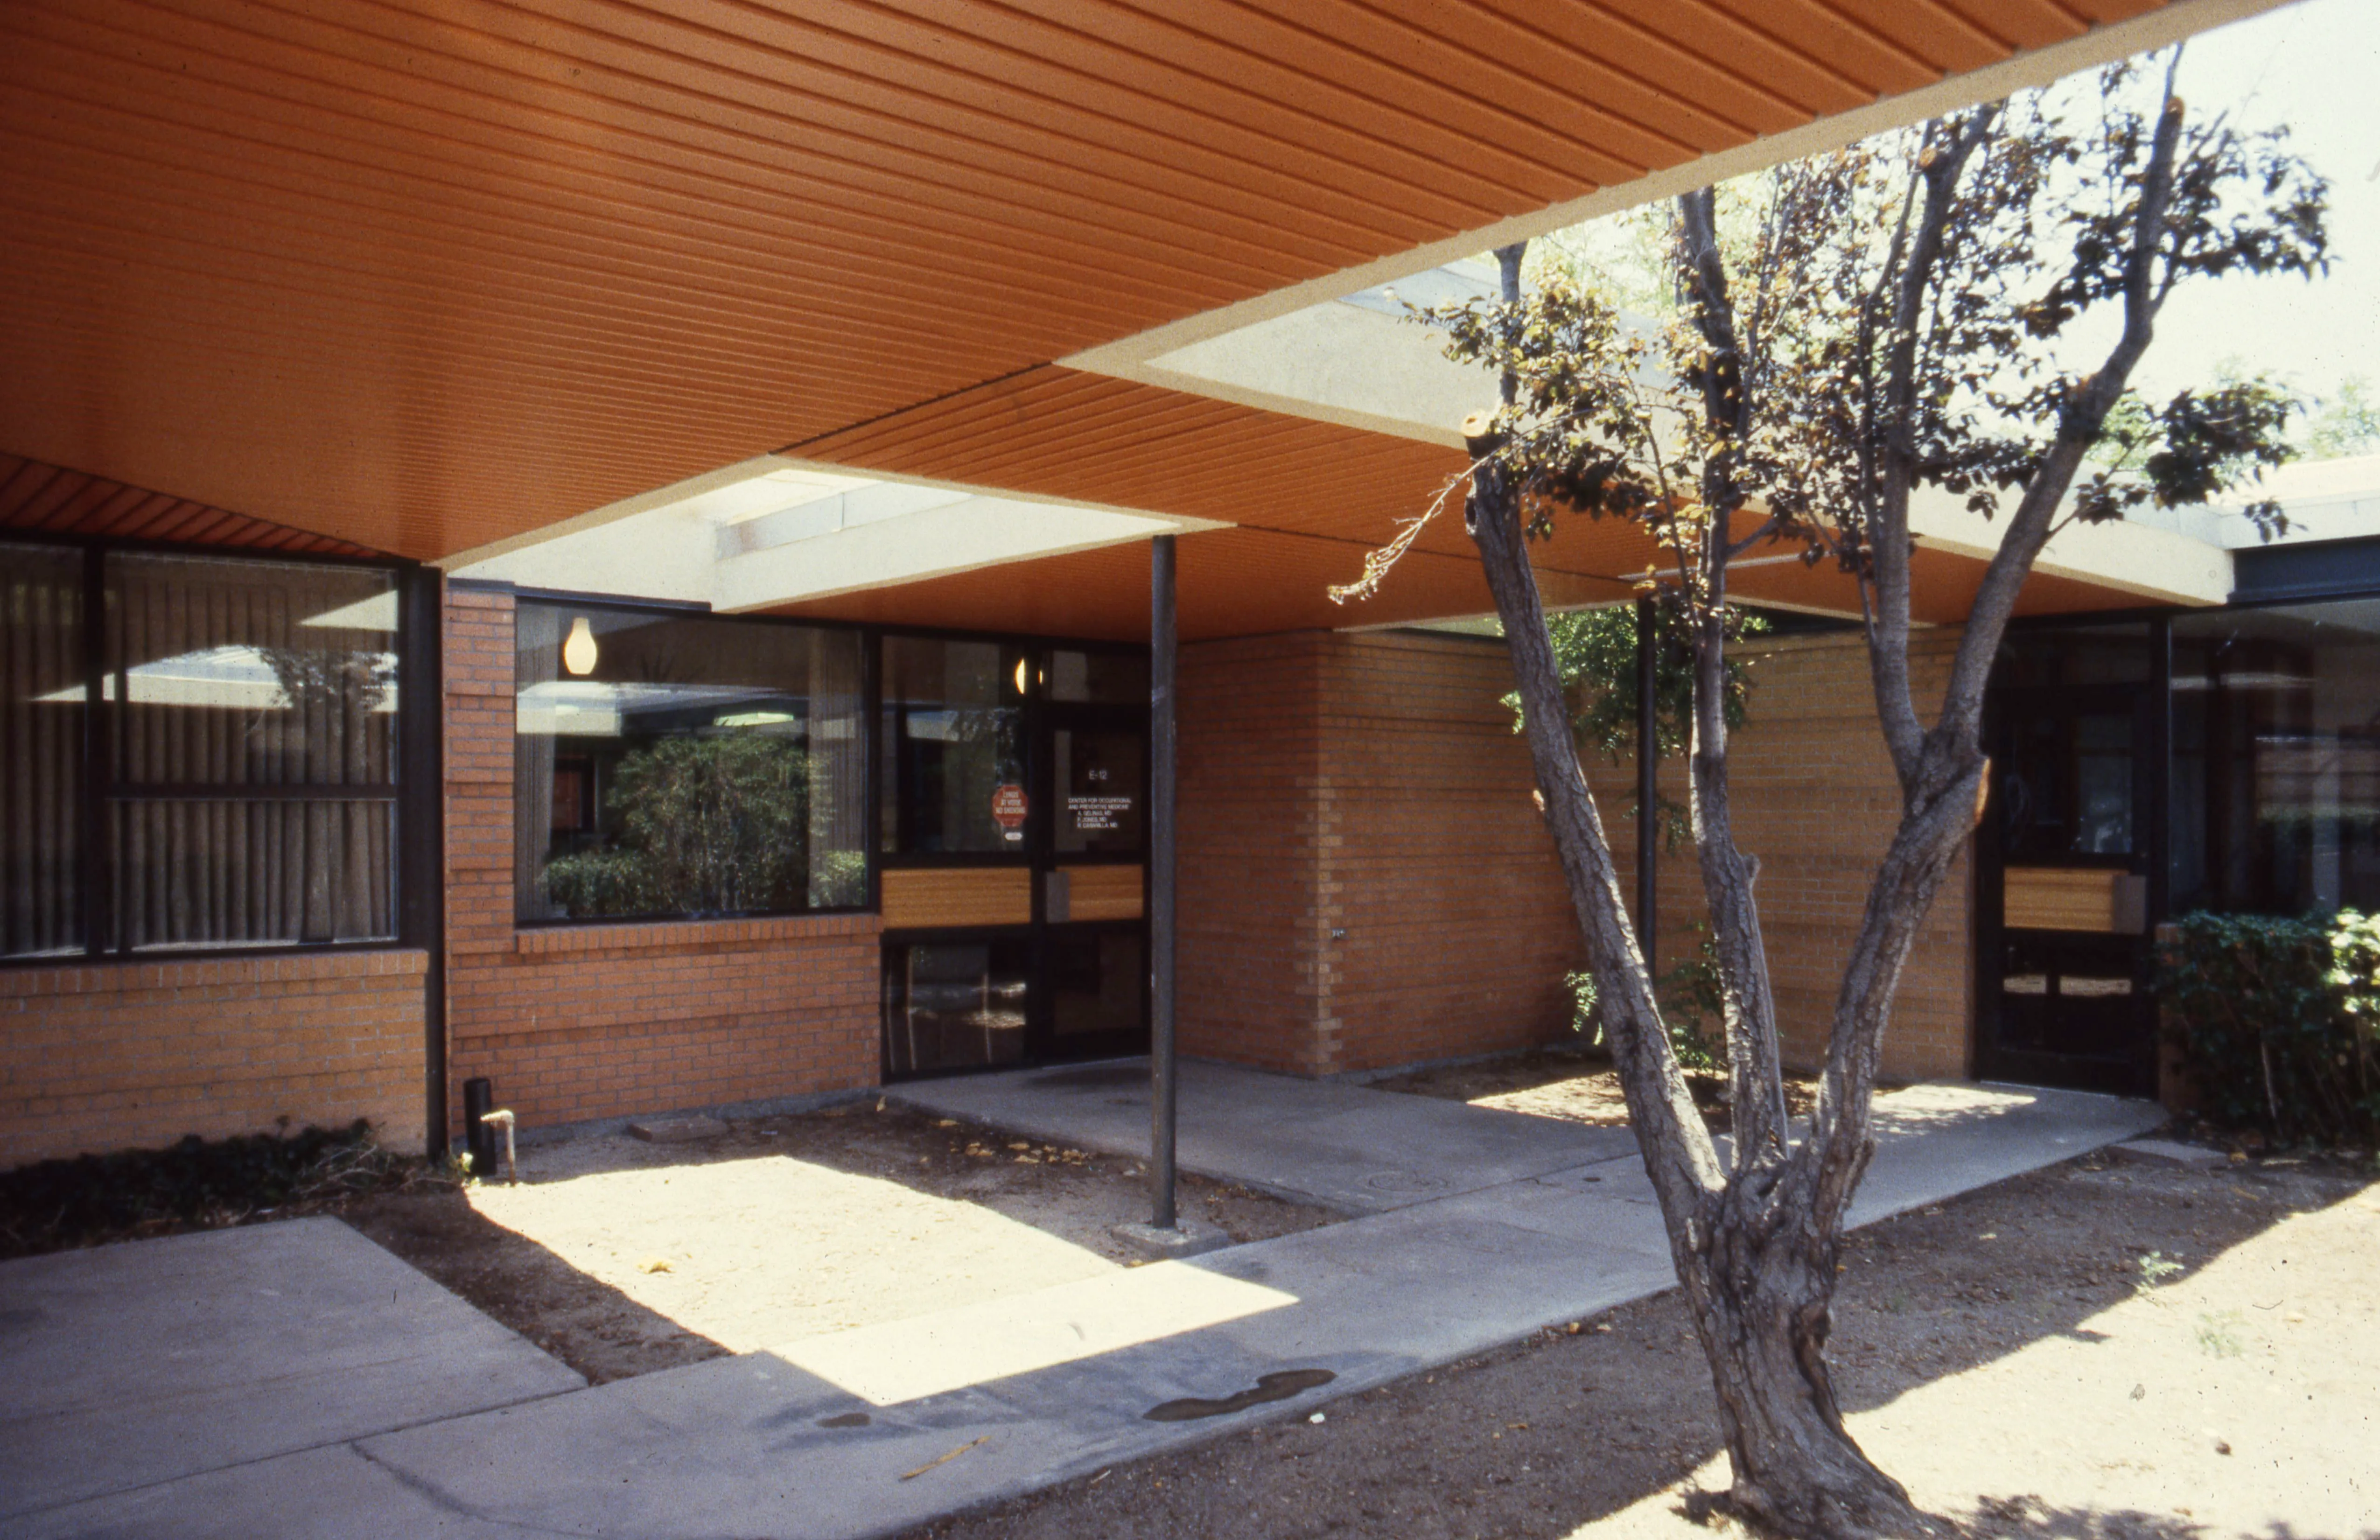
(1815, 800)
(1372, 785)
(598, 1021)
(128, 1055)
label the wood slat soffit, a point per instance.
(421, 277)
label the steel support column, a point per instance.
(1161, 1088)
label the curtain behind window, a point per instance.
(253, 752)
(41, 751)
(537, 640)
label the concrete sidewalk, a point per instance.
(132, 1366)
(838, 1436)
(1345, 1147)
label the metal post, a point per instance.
(1648, 779)
(1161, 881)
(421, 823)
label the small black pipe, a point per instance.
(1648, 779)
(479, 1139)
(1161, 1088)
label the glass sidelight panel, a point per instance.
(1098, 678)
(2066, 784)
(1099, 777)
(954, 1005)
(41, 751)
(2103, 784)
(953, 746)
(1095, 982)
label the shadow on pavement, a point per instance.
(1543, 1437)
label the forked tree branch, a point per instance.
(2084, 413)
(1679, 1151)
(1940, 166)
(1748, 1003)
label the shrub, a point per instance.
(1692, 1003)
(2276, 1020)
(195, 1184)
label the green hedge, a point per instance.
(2277, 1021)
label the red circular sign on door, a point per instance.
(1008, 806)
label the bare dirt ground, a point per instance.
(1565, 1083)
(2020, 1356)
(620, 1257)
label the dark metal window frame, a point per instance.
(416, 792)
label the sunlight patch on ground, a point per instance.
(2242, 1400)
(1938, 1104)
(769, 1250)
(979, 1343)
(1588, 1099)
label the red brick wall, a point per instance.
(1815, 800)
(1253, 948)
(602, 1020)
(1371, 784)
(126, 1055)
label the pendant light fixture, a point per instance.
(578, 650)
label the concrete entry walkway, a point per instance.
(132, 1365)
(870, 1431)
(1345, 1146)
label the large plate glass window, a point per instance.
(953, 758)
(668, 764)
(2276, 791)
(199, 752)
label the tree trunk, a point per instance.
(1756, 1250)
(1763, 1303)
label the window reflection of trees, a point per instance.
(729, 778)
(707, 825)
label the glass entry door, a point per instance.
(1013, 838)
(2065, 857)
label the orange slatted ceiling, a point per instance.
(420, 275)
(1310, 499)
(37, 500)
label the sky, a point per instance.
(2312, 66)
(2315, 67)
